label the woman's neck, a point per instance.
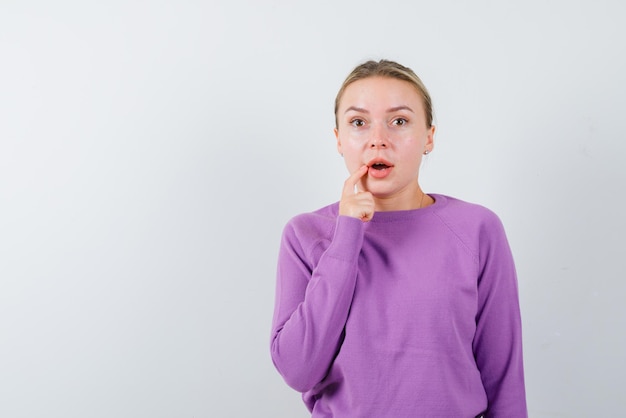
(416, 199)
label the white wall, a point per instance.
(151, 152)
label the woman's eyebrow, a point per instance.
(356, 109)
(390, 110)
(395, 109)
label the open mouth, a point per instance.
(379, 166)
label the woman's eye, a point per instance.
(400, 122)
(357, 122)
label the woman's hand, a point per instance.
(354, 202)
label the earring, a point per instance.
(426, 152)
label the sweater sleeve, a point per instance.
(498, 338)
(312, 302)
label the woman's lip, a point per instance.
(379, 161)
(379, 174)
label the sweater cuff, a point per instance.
(347, 238)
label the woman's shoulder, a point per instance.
(317, 224)
(322, 215)
(471, 222)
(463, 210)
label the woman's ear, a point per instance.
(430, 139)
(338, 142)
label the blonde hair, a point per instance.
(390, 69)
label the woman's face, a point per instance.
(381, 124)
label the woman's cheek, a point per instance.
(353, 164)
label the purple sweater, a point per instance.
(413, 314)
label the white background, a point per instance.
(151, 152)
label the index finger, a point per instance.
(353, 180)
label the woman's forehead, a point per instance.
(380, 93)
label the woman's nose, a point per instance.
(379, 138)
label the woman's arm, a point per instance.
(313, 297)
(498, 339)
(312, 302)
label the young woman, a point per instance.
(392, 302)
